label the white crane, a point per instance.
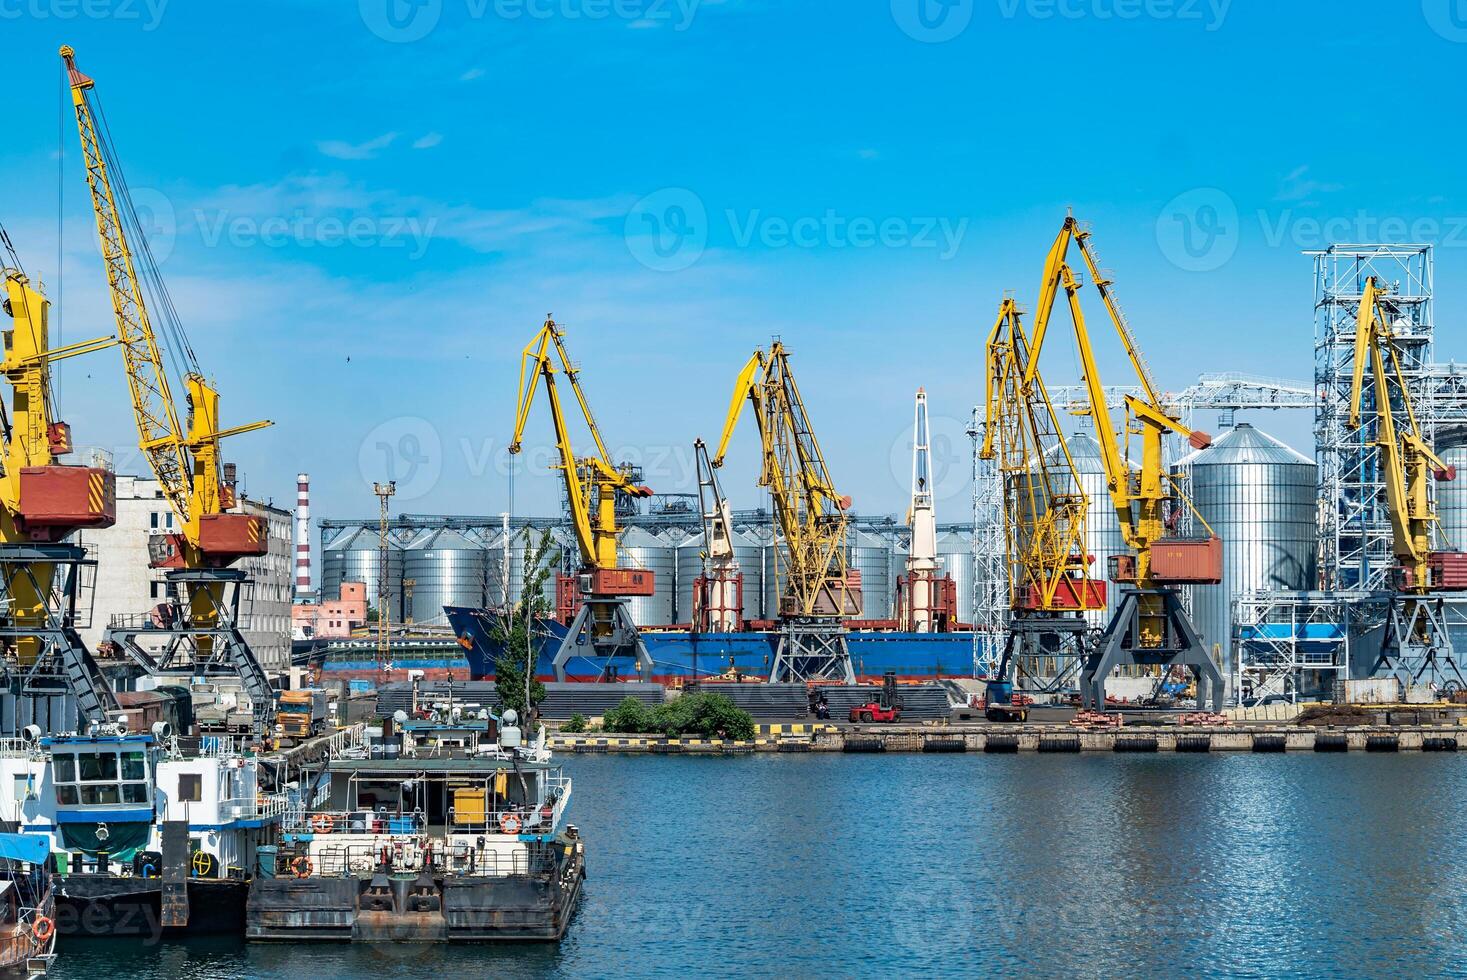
(921, 597)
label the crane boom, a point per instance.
(1407, 461)
(185, 459)
(595, 536)
(810, 513)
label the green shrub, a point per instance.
(705, 714)
(576, 725)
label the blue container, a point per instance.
(265, 860)
(357, 686)
(401, 825)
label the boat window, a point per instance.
(102, 793)
(65, 768)
(134, 766)
(96, 766)
(134, 792)
(190, 787)
(66, 795)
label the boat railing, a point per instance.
(16, 748)
(347, 739)
(513, 819)
(341, 860)
(266, 806)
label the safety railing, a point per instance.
(442, 856)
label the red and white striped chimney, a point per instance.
(302, 537)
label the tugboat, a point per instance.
(147, 832)
(447, 829)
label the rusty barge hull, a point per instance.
(424, 908)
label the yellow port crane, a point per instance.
(1150, 627)
(1416, 645)
(42, 502)
(593, 484)
(200, 625)
(1045, 513)
(819, 590)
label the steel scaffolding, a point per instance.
(1295, 645)
(1354, 523)
(990, 564)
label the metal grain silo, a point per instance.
(638, 548)
(1451, 501)
(1102, 527)
(748, 552)
(530, 541)
(872, 555)
(1259, 496)
(955, 558)
(354, 557)
(446, 568)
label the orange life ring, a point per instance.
(322, 823)
(509, 823)
(301, 866)
(42, 929)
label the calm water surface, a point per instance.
(1166, 865)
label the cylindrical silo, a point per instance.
(748, 552)
(1103, 536)
(871, 555)
(638, 548)
(541, 548)
(955, 559)
(445, 568)
(1451, 501)
(355, 557)
(1258, 495)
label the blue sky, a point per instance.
(366, 208)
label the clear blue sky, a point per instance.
(367, 208)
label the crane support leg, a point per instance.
(1416, 647)
(1044, 654)
(603, 637)
(1180, 647)
(812, 652)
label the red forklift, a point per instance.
(887, 709)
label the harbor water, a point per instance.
(790, 865)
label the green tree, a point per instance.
(513, 631)
(576, 724)
(705, 713)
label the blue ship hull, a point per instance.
(680, 655)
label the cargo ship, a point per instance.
(679, 654)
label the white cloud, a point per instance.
(1298, 186)
(471, 74)
(428, 141)
(342, 150)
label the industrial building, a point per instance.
(126, 584)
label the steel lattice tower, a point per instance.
(1354, 525)
(990, 565)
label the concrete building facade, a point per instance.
(331, 619)
(126, 585)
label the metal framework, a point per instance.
(384, 492)
(1294, 645)
(990, 566)
(1355, 532)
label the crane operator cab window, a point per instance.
(102, 777)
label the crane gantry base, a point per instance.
(62, 666)
(1182, 648)
(1416, 647)
(812, 651)
(1036, 641)
(603, 633)
(176, 646)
